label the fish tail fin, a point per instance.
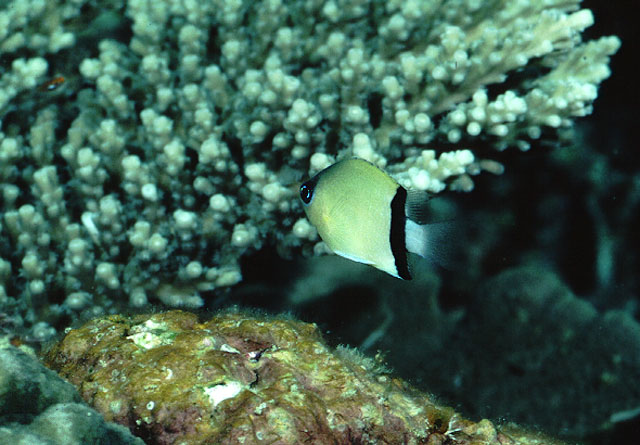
(433, 241)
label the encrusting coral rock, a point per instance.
(239, 378)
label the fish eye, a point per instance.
(306, 192)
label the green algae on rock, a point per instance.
(241, 378)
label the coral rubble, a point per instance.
(39, 408)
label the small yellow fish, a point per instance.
(364, 215)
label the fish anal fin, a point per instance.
(353, 258)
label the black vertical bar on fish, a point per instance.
(397, 235)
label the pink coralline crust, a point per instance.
(239, 378)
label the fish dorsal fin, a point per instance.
(416, 207)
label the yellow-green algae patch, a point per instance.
(151, 334)
(238, 378)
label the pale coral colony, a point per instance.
(183, 128)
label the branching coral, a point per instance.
(178, 141)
